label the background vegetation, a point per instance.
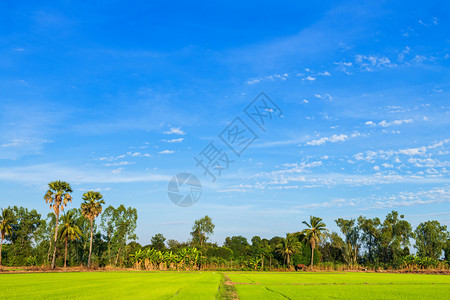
(96, 235)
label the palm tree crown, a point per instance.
(288, 246)
(69, 231)
(57, 196)
(6, 220)
(92, 205)
(314, 233)
(91, 208)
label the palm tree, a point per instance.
(57, 196)
(314, 233)
(6, 220)
(69, 231)
(91, 208)
(288, 246)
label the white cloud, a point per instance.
(121, 163)
(175, 130)
(395, 122)
(310, 78)
(325, 96)
(385, 123)
(95, 189)
(413, 151)
(44, 173)
(333, 203)
(166, 152)
(179, 140)
(117, 171)
(332, 139)
(326, 73)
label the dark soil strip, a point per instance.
(341, 283)
(276, 292)
(176, 294)
(227, 289)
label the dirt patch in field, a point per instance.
(228, 289)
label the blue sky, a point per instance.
(120, 97)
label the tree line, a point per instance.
(94, 236)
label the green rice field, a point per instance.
(210, 285)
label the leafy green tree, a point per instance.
(69, 230)
(314, 233)
(202, 230)
(157, 242)
(24, 234)
(370, 235)
(350, 247)
(386, 241)
(395, 233)
(331, 248)
(431, 238)
(91, 208)
(260, 248)
(107, 224)
(57, 196)
(238, 244)
(121, 224)
(288, 246)
(447, 250)
(6, 220)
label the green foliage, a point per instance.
(385, 241)
(120, 225)
(314, 233)
(157, 242)
(31, 261)
(202, 230)
(431, 238)
(303, 256)
(287, 247)
(238, 245)
(222, 252)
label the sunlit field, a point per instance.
(110, 285)
(340, 286)
(211, 285)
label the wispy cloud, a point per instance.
(179, 140)
(175, 130)
(166, 152)
(385, 123)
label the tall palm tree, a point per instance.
(57, 196)
(69, 231)
(6, 220)
(91, 208)
(314, 233)
(288, 246)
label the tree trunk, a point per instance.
(56, 238)
(262, 261)
(1, 245)
(117, 257)
(313, 246)
(65, 254)
(109, 248)
(90, 245)
(49, 251)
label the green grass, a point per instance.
(207, 285)
(110, 285)
(340, 286)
